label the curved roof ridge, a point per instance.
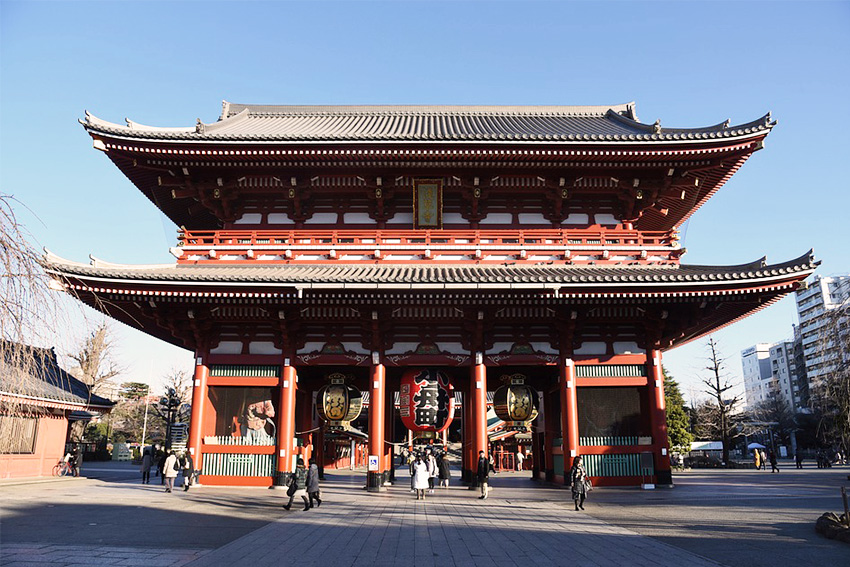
(760, 123)
(94, 121)
(231, 108)
(98, 263)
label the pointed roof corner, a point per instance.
(225, 109)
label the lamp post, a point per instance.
(168, 404)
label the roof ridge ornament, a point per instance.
(200, 127)
(656, 128)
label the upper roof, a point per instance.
(425, 123)
(33, 374)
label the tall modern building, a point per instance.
(755, 363)
(772, 369)
(822, 297)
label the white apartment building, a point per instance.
(786, 377)
(755, 362)
(821, 296)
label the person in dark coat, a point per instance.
(163, 456)
(147, 463)
(773, 466)
(299, 480)
(578, 483)
(483, 475)
(444, 472)
(313, 483)
(187, 464)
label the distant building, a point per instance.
(821, 297)
(755, 363)
(38, 400)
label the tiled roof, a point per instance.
(508, 124)
(433, 275)
(45, 380)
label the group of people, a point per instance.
(760, 460)
(304, 483)
(169, 465)
(427, 467)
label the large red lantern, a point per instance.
(426, 401)
(338, 403)
(515, 403)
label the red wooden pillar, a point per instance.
(286, 424)
(466, 442)
(550, 428)
(477, 414)
(658, 418)
(196, 423)
(389, 423)
(569, 414)
(538, 442)
(319, 449)
(377, 403)
(304, 411)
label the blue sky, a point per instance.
(687, 63)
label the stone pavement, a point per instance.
(450, 528)
(735, 518)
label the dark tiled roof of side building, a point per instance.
(32, 372)
(429, 123)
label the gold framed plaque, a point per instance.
(427, 203)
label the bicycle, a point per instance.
(63, 468)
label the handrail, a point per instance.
(348, 238)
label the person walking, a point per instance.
(161, 466)
(411, 461)
(147, 463)
(483, 475)
(798, 457)
(579, 482)
(519, 458)
(188, 464)
(773, 466)
(431, 462)
(421, 476)
(299, 482)
(757, 459)
(170, 469)
(313, 491)
(763, 460)
(444, 471)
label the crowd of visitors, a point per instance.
(167, 465)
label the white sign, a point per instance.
(373, 463)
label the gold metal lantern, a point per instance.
(338, 403)
(515, 403)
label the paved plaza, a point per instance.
(736, 518)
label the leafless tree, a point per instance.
(28, 314)
(830, 396)
(719, 389)
(94, 357)
(95, 366)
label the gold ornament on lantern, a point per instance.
(515, 403)
(338, 403)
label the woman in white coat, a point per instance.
(420, 477)
(170, 470)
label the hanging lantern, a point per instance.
(426, 401)
(338, 403)
(515, 403)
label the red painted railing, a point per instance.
(438, 239)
